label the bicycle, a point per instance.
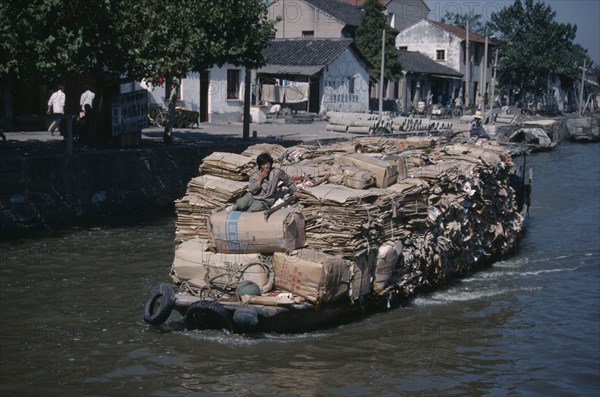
(157, 116)
(457, 111)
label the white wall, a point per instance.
(407, 12)
(189, 94)
(335, 85)
(427, 39)
(297, 16)
(156, 94)
(221, 109)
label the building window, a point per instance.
(440, 55)
(403, 48)
(351, 85)
(233, 83)
(308, 34)
(391, 18)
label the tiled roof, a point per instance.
(304, 52)
(459, 32)
(416, 62)
(360, 3)
(340, 10)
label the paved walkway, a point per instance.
(42, 142)
(206, 132)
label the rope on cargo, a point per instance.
(198, 292)
(235, 275)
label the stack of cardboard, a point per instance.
(447, 205)
(228, 165)
(345, 221)
(276, 151)
(204, 194)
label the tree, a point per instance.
(533, 46)
(117, 40)
(368, 41)
(460, 20)
(596, 73)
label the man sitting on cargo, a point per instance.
(263, 186)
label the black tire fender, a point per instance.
(159, 304)
(207, 315)
(245, 319)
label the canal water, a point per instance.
(71, 318)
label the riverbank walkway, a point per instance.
(29, 143)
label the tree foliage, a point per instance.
(368, 41)
(135, 39)
(596, 72)
(475, 22)
(533, 46)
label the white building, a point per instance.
(315, 76)
(447, 45)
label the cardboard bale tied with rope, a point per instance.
(200, 267)
(312, 274)
(385, 173)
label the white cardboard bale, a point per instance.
(387, 257)
(249, 232)
(312, 274)
(362, 275)
(195, 264)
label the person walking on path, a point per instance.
(87, 98)
(82, 123)
(56, 108)
(263, 186)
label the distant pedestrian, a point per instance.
(56, 108)
(87, 98)
(476, 130)
(82, 122)
(479, 102)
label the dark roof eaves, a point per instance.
(416, 62)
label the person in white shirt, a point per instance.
(87, 98)
(56, 107)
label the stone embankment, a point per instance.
(46, 192)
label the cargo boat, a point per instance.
(343, 289)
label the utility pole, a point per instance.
(581, 91)
(247, 88)
(484, 78)
(381, 75)
(468, 69)
(493, 82)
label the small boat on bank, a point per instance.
(585, 134)
(535, 139)
(363, 239)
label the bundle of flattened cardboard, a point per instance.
(374, 213)
(368, 123)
